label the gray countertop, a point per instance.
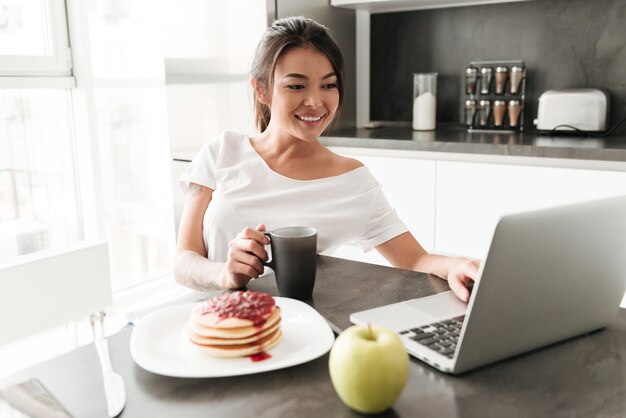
(455, 142)
(456, 139)
(580, 377)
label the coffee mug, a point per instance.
(294, 260)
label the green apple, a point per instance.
(369, 367)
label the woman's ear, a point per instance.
(259, 91)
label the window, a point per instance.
(33, 38)
(85, 155)
(39, 207)
(38, 196)
(40, 193)
(128, 73)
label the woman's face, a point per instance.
(304, 97)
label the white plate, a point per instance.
(158, 343)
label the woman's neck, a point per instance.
(294, 157)
(275, 144)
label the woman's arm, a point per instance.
(405, 252)
(191, 266)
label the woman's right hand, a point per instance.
(246, 255)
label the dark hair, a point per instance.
(281, 36)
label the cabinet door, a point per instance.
(471, 197)
(409, 186)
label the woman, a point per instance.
(284, 176)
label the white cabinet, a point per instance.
(409, 185)
(452, 207)
(386, 6)
(471, 197)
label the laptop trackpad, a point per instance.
(439, 306)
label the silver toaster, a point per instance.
(572, 110)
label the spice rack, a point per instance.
(494, 96)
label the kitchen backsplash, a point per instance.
(564, 44)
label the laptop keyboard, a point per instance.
(440, 336)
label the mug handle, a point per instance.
(269, 263)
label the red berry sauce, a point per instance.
(253, 306)
(260, 356)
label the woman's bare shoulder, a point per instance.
(344, 164)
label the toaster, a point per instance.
(572, 111)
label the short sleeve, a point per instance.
(203, 167)
(383, 223)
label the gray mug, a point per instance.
(294, 260)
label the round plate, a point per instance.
(159, 345)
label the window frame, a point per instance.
(58, 64)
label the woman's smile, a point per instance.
(310, 118)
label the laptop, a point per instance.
(549, 275)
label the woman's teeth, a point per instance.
(309, 118)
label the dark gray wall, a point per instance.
(564, 44)
(342, 23)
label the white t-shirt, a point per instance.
(349, 207)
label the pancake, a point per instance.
(207, 331)
(235, 324)
(232, 351)
(204, 340)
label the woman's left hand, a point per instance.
(461, 271)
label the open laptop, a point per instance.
(549, 275)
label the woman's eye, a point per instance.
(295, 86)
(330, 86)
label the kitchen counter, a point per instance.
(455, 143)
(580, 377)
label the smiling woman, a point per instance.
(285, 177)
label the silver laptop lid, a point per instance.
(549, 275)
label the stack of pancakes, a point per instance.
(235, 324)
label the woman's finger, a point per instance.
(245, 258)
(459, 289)
(250, 246)
(254, 234)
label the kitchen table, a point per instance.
(584, 376)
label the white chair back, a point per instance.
(45, 289)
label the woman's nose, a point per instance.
(313, 99)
